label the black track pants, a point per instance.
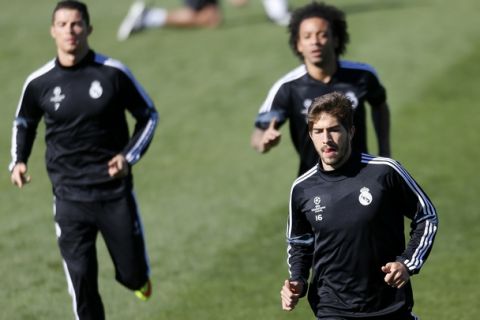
(77, 226)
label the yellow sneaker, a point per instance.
(144, 292)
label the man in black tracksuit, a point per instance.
(346, 223)
(318, 36)
(82, 97)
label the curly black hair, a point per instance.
(334, 16)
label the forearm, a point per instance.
(300, 253)
(141, 138)
(23, 137)
(419, 246)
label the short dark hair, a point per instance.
(334, 16)
(74, 5)
(335, 104)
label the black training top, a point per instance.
(346, 224)
(84, 111)
(291, 96)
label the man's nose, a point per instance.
(326, 137)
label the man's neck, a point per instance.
(71, 59)
(339, 164)
(322, 72)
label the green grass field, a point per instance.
(215, 211)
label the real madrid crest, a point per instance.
(353, 98)
(365, 196)
(306, 105)
(96, 89)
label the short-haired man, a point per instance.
(83, 97)
(346, 224)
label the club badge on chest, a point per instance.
(96, 90)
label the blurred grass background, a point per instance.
(215, 211)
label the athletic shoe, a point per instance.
(132, 21)
(283, 20)
(144, 292)
(277, 11)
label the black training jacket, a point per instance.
(84, 112)
(345, 224)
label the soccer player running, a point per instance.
(346, 224)
(318, 36)
(83, 97)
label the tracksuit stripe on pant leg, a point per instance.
(142, 231)
(71, 290)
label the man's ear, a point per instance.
(352, 132)
(299, 49)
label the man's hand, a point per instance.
(396, 274)
(290, 294)
(118, 167)
(19, 175)
(264, 140)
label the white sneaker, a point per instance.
(132, 21)
(277, 11)
(283, 20)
